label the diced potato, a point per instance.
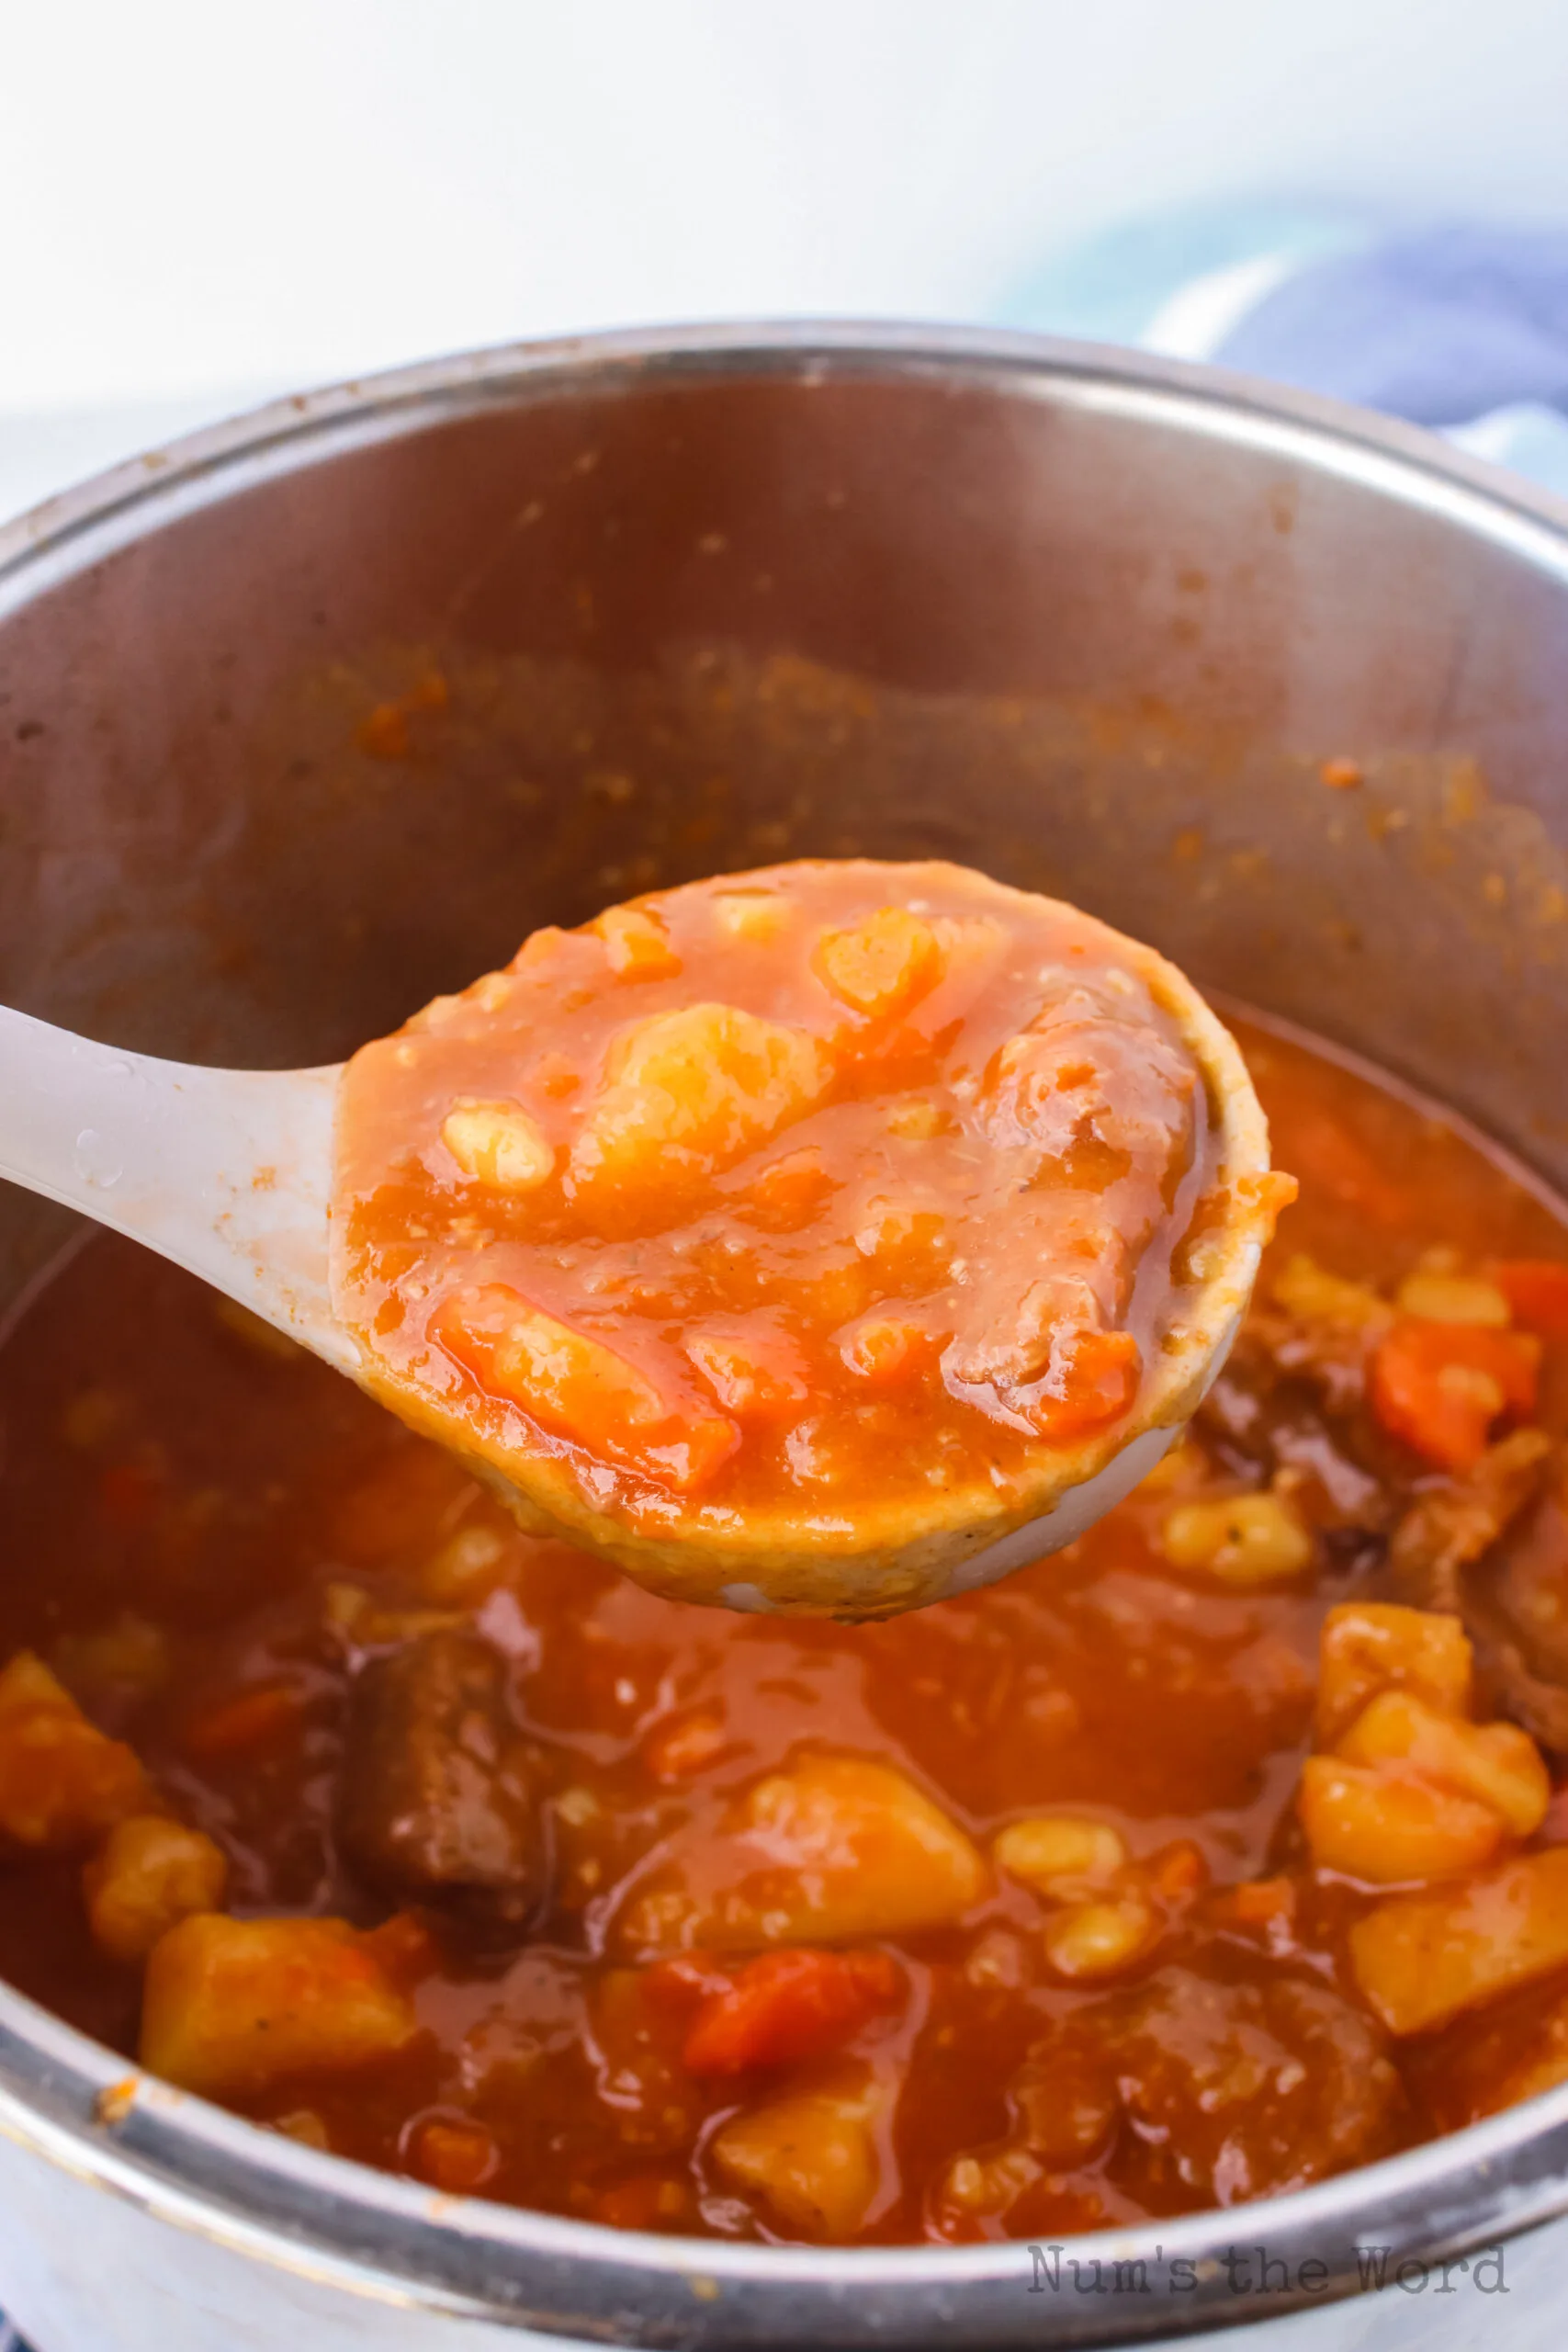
(883, 964)
(1453, 1298)
(1422, 1958)
(498, 1143)
(150, 1873)
(1371, 1646)
(1246, 1540)
(811, 2160)
(863, 1852)
(915, 1119)
(231, 2005)
(1304, 1288)
(62, 1781)
(1054, 1846)
(637, 944)
(1089, 1940)
(575, 1383)
(1388, 1828)
(756, 915)
(695, 1089)
(1498, 1764)
(835, 1850)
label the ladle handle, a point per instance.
(228, 1172)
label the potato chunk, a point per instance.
(498, 1143)
(1498, 1764)
(1388, 1827)
(883, 964)
(151, 1874)
(811, 2160)
(835, 1850)
(62, 1781)
(637, 944)
(692, 1090)
(232, 2006)
(1369, 1645)
(1421, 1959)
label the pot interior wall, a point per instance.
(284, 765)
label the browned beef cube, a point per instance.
(436, 1802)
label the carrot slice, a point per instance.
(580, 1387)
(254, 1719)
(1441, 1387)
(790, 2004)
(1537, 1290)
(1098, 1384)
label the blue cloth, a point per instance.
(1458, 326)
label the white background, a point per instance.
(202, 201)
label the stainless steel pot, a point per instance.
(703, 600)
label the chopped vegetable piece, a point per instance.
(61, 1781)
(575, 1384)
(234, 2004)
(1092, 1381)
(1372, 1645)
(1422, 1958)
(1388, 1828)
(1453, 1298)
(688, 1092)
(836, 1850)
(790, 2004)
(499, 1144)
(883, 964)
(150, 1873)
(1303, 1287)
(250, 1719)
(756, 1374)
(1441, 1386)
(1498, 1764)
(1536, 1291)
(638, 944)
(810, 2160)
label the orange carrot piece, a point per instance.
(789, 2005)
(1441, 1387)
(1098, 1384)
(254, 1719)
(581, 1386)
(1537, 1290)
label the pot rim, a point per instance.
(387, 2240)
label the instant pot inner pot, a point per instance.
(303, 752)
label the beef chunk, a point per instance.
(1279, 1405)
(1515, 1603)
(436, 1802)
(1234, 2090)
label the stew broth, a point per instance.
(1012, 1916)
